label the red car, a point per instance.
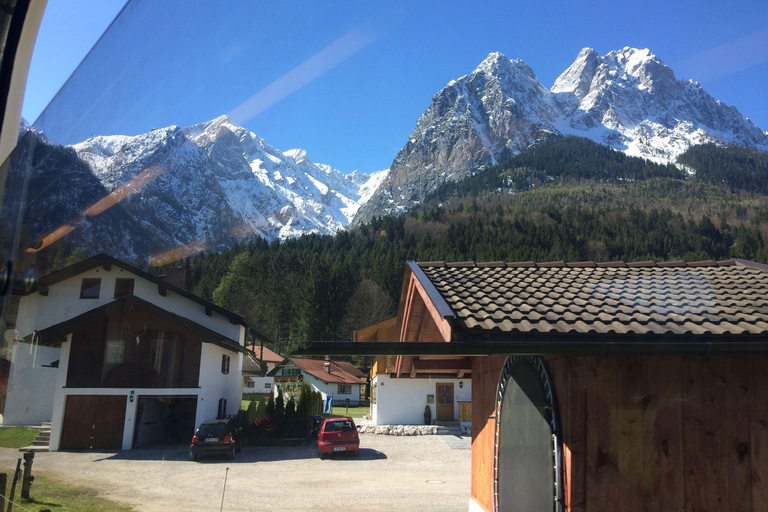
(338, 435)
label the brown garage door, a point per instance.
(93, 422)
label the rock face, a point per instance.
(214, 183)
(628, 99)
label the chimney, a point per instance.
(328, 364)
(176, 277)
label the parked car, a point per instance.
(338, 435)
(214, 437)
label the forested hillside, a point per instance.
(323, 287)
(569, 200)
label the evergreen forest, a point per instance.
(568, 199)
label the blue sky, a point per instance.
(346, 81)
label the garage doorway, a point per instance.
(164, 420)
(93, 422)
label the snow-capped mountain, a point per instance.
(216, 182)
(628, 99)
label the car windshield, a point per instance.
(508, 239)
(216, 430)
(339, 426)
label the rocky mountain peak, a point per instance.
(627, 99)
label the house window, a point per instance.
(290, 371)
(345, 389)
(250, 384)
(222, 412)
(90, 288)
(123, 287)
(225, 364)
(267, 385)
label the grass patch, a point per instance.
(352, 412)
(49, 493)
(16, 437)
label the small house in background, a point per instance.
(402, 386)
(256, 366)
(118, 358)
(337, 379)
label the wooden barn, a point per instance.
(602, 387)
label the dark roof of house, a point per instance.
(252, 363)
(678, 298)
(104, 260)
(53, 335)
(341, 371)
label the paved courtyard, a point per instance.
(421, 473)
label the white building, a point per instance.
(255, 368)
(337, 379)
(402, 386)
(117, 358)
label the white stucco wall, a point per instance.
(331, 388)
(29, 400)
(63, 302)
(402, 401)
(260, 385)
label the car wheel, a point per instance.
(232, 453)
(322, 455)
(192, 457)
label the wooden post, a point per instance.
(13, 485)
(26, 481)
(3, 488)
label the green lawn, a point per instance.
(49, 493)
(353, 412)
(16, 437)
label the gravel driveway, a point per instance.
(422, 473)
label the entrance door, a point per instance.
(93, 422)
(444, 401)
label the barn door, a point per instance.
(93, 422)
(527, 466)
(444, 401)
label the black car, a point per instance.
(214, 437)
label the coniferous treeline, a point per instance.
(569, 199)
(737, 167)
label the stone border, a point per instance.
(400, 430)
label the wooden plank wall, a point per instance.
(655, 433)
(485, 378)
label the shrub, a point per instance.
(270, 409)
(290, 407)
(279, 404)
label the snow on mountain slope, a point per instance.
(217, 182)
(628, 99)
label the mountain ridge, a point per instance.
(627, 99)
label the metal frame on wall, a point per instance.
(539, 366)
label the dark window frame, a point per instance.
(348, 388)
(125, 281)
(87, 285)
(225, 364)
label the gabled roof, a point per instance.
(52, 335)
(253, 364)
(268, 356)
(106, 261)
(341, 372)
(675, 298)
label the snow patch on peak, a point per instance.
(297, 155)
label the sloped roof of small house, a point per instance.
(705, 297)
(54, 334)
(104, 260)
(341, 372)
(252, 363)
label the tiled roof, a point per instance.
(341, 371)
(269, 356)
(726, 297)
